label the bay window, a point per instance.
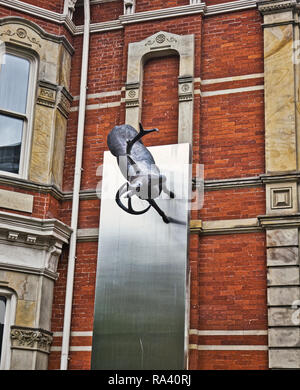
(17, 73)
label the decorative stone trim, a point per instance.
(163, 13)
(212, 185)
(31, 338)
(35, 244)
(280, 178)
(163, 43)
(64, 101)
(46, 94)
(69, 8)
(94, 2)
(29, 270)
(42, 229)
(129, 7)
(13, 236)
(279, 221)
(51, 95)
(21, 33)
(185, 89)
(40, 12)
(231, 6)
(283, 283)
(281, 197)
(132, 97)
(273, 6)
(88, 235)
(229, 226)
(101, 27)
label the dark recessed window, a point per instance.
(2, 318)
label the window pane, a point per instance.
(2, 316)
(14, 78)
(10, 143)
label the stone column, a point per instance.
(283, 293)
(281, 221)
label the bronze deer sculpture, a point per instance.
(139, 169)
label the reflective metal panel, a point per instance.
(141, 289)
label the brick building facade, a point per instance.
(241, 119)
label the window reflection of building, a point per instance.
(10, 158)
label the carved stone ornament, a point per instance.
(21, 33)
(132, 95)
(64, 101)
(129, 7)
(185, 90)
(13, 236)
(272, 6)
(46, 96)
(160, 39)
(31, 338)
(70, 6)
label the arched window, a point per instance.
(17, 91)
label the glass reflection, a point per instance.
(14, 78)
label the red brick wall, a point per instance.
(147, 5)
(160, 100)
(228, 272)
(228, 292)
(106, 11)
(48, 26)
(214, 2)
(232, 45)
(233, 204)
(232, 135)
(232, 360)
(56, 6)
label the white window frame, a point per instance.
(28, 117)
(9, 320)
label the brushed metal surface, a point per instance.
(141, 307)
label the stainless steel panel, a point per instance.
(142, 276)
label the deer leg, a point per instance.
(160, 212)
(167, 191)
(164, 187)
(121, 191)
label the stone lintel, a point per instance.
(16, 201)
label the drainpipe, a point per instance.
(76, 189)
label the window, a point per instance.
(17, 73)
(2, 317)
(8, 301)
